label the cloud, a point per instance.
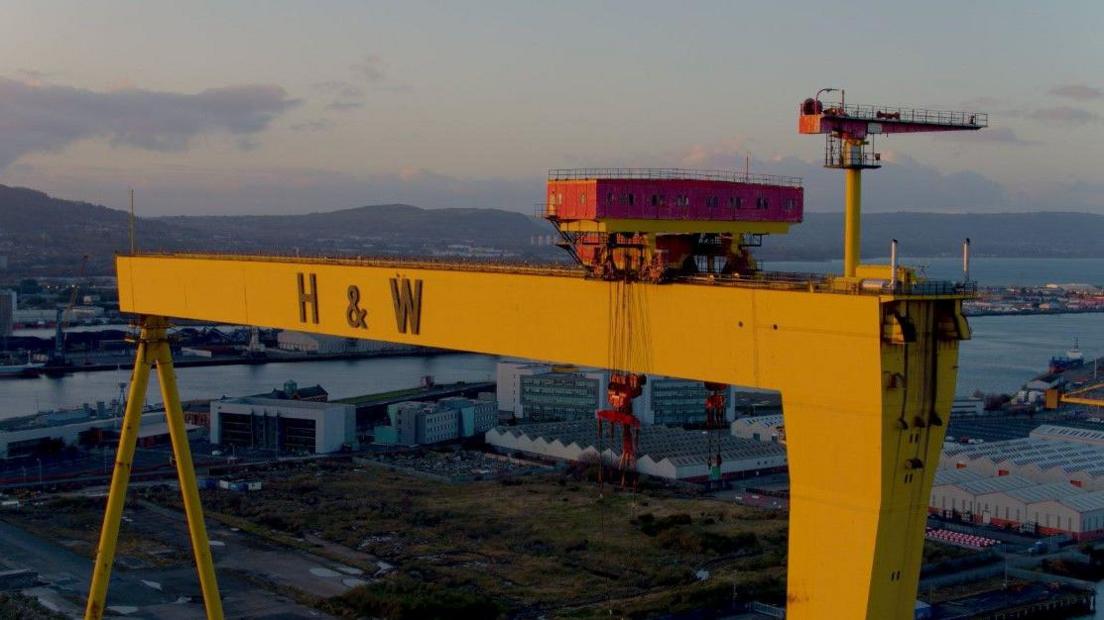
(1079, 92)
(340, 88)
(371, 69)
(320, 124)
(728, 154)
(48, 117)
(1063, 114)
(342, 106)
(371, 73)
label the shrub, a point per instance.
(406, 599)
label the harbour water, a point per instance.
(341, 378)
(1005, 352)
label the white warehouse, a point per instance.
(283, 425)
(670, 453)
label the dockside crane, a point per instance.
(59, 359)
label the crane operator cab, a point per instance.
(655, 224)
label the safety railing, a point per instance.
(442, 264)
(824, 283)
(840, 155)
(670, 174)
(907, 115)
(779, 280)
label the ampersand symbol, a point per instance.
(354, 314)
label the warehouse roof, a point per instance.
(954, 476)
(678, 446)
(992, 485)
(1084, 502)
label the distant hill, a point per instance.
(389, 228)
(44, 236)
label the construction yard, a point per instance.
(381, 542)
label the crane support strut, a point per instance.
(153, 350)
(866, 377)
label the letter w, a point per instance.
(408, 305)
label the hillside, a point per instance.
(44, 236)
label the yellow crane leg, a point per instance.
(152, 348)
(852, 221)
(120, 477)
(189, 491)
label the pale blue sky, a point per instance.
(324, 105)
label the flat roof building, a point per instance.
(421, 423)
(767, 428)
(295, 426)
(544, 393)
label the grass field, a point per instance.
(544, 545)
(531, 545)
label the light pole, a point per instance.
(830, 90)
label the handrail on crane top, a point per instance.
(670, 174)
(972, 120)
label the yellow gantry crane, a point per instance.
(867, 377)
(865, 362)
(1092, 396)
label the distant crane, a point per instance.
(64, 316)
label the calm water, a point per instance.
(1005, 352)
(341, 378)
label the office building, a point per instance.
(423, 423)
(294, 426)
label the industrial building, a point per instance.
(27, 436)
(561, 395)
(670, 453)
(7, 312)
(321, 344)
(283, 425)
(508, 383)
(1050, 454)
(1018, 503)
(543, 393)
(293, 391)
(677, 402)
(422, 423)
(1050, 483)
(767, 428)
(967, 407)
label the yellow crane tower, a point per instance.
(866, 365)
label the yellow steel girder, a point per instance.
(867, 380)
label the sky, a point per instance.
(294, 107)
